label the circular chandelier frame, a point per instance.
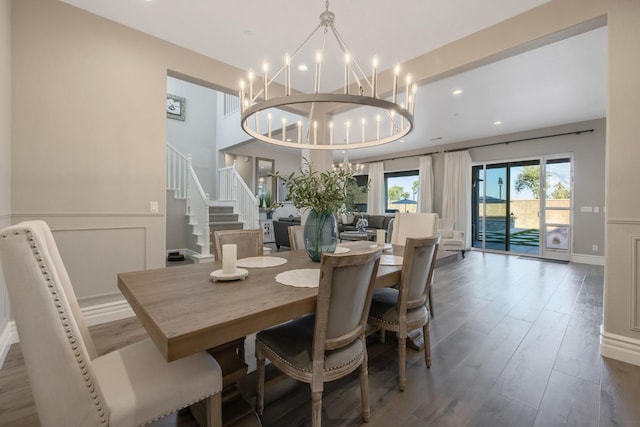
(254, 106)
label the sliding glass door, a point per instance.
(523, 207)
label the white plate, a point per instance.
(341, 250)
(260, 261)
(219, 275)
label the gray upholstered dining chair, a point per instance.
(296, 237)
(70, 383)
(250, 242)
(404, 308)
(330, 343)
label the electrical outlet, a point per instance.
(153, 207)
(594, 248)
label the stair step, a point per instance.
(223, 217)
(226, 225)
(220, 209)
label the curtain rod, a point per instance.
(485, 145)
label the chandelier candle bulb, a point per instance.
(269, 117)
(347, 60)
(229, 258)
(378, 126)
(250, 87)
(299, 131)
(330, 133)
(347, 126)
(315, 132)
(318, 61)
(284, 128)
(265, 68)
(363, 123)
(374, 80)
(406, 97)
(395, 84)
(287, 74)
(257, 123)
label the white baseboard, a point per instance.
(620, 348)
(94, 315)
(587, 259)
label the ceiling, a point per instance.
(560, 83)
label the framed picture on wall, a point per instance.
(176, 106)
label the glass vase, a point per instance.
(320, 234)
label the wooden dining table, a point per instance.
(185, 312)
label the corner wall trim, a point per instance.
(619, 347)
(94, 315)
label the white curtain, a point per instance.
(425, 195)
(456, 195)
(375, 197)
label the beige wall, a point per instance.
(88, 137)
(5, 139)
(88, 130)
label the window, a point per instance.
(401, 191)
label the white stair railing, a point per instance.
(234, 189)
(181, 178)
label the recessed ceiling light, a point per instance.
(497, 122)
(302, 67)
(457, 92)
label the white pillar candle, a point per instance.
(330, 133)
(229, 258)
(315, 132)
(284, 128)
(299, 131)
(378, 126)
(380, 237)
(269, 117)
(395, 84)
(347, 60)
(251, 87)
(374, 78)
(265, 68)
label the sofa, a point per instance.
(375, 222)
(281, 229)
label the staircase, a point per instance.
(221, 217)
(237, 207)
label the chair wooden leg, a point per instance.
(402, 362)
(214, 410)
(364, 388)
(260, 379)
(427, 345)
(316, 409)
(430, 303)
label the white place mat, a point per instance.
(300, 278)
(390, 260)
(341, 250)
(260, 261)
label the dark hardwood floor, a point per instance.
(515, 342)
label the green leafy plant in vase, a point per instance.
(325, 194)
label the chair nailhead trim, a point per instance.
(65, 324)
(347, 363)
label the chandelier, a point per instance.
(378, 121)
